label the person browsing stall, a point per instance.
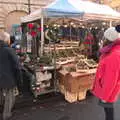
(106, 86)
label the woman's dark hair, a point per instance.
(117, 28)
(12, 39)
(107, 42)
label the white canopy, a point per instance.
(32, 17)
(93, 8)
(95, 11)
(71, 8)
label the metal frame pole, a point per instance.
(110, 23)
(42, 35)
(29, 6)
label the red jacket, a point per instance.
(107, 82)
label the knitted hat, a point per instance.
(112, 33)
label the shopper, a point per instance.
(9, 72)
(106, 86)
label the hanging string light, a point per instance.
(55, 25)
(103, 28)
(83, 26)
(74, 26)
(104, 23)
(80, 23)
(58, 25)
(96, 27)
(65, 26)
(72, 23)
(90, 28)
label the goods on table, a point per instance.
(78, 58)
(77, 77)
(91, 63)
(43, 80)
(61, 61)
(69, 53)
(70, 69)
(45, 60)
(82, 65)
(43, 76)
(62, 53)
(85, 64)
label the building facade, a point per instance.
(12, 10)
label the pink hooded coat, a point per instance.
(107, 82)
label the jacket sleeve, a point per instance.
(16, 65)
(110, 76)
(14, 58)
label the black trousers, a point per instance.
(108, 109)
(109, 113)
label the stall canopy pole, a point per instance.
(70, 32)
(110, 23)
(42, 35)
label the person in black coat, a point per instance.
(9, 77)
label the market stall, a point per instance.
(76, 73)
(45, 65)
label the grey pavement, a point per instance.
(59, 109)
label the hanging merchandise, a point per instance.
(39, 29)
(34, 30)
(33, 33)
(100, 38)
(89, 41)
(98, 34)
(30, 25)
(47, 38)
(51, 35)
(29, 42)
(82, 34)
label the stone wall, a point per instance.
(12, 10)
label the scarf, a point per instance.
(109, 47)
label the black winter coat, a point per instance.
(9, 67)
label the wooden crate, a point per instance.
(71, 97)
(62, 89)
(62, 77)
(76, 81)
(74, 97)
(74, 86)
(82, 94)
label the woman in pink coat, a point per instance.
(106, 86)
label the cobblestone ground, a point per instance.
(56, 108)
